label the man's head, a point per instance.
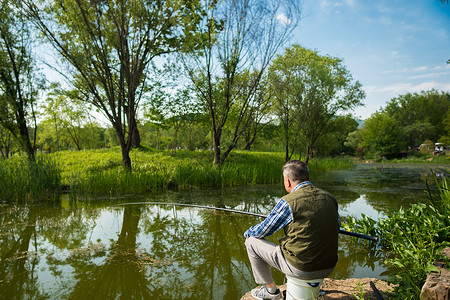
(294, 172)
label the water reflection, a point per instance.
(79, 250)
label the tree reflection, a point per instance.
(17, 265)
(120, 275)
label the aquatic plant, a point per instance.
(22, 180)
(99, 172)
(413, 238)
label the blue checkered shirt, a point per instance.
(280, 216)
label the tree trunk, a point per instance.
(174, 143)
(57, 136)
(136, 139)
(308, 154)
(124, 146)
(126, 160)
(249, 140)
(216, 149)
(286, 139)
(25, 137)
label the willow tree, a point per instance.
(242, 38)
(109, 45)
(19, 77)
(309, 91)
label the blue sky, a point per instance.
(392, 47)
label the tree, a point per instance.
(334, 142)
(242, 37)
(309, 91)
(19, 79)
(420, 115)
(381, 135)
(418, 132)
(109, 46)
(446, 125)
(258, 108)
(69, 116)
(6, 142)
(353, 141)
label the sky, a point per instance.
(393, 47)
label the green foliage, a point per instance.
(381, 135)
(413, 238)
(417, 132)
(20, 81)
(310, 91)
(22, 180)
(427, 147)
(334, 141)
(359, 289)
(407, 121)
(427, 107)
(353, 139)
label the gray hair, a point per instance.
(296, 171)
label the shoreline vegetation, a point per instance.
(414, 239)
(99, 173)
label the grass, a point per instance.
(100, 172)
(24, 181)
(419, 158)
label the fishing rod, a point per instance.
(349, 233)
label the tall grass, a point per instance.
(99, 172)
(414, 238)
(22, 180)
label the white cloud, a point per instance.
(420, 72)
(420, 69)
(428, 75)
(283, 19)
(404, 88)
(350, 3)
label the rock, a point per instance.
(346, 289)
(437, 286)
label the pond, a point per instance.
(129, 250)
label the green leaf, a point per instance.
(432, 268)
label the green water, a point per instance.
(102, 250)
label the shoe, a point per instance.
(263, 293)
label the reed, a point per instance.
(319, 165)
(22, 180)
(99, 172)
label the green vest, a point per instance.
(311, 239)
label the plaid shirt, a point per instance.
(280, 216)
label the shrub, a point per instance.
(427, 147)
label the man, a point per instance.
(310, 220)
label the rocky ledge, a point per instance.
(348, 289)
(437, 285)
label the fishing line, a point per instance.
(349, 233)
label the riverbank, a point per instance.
(100, 172)
(347, 289)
